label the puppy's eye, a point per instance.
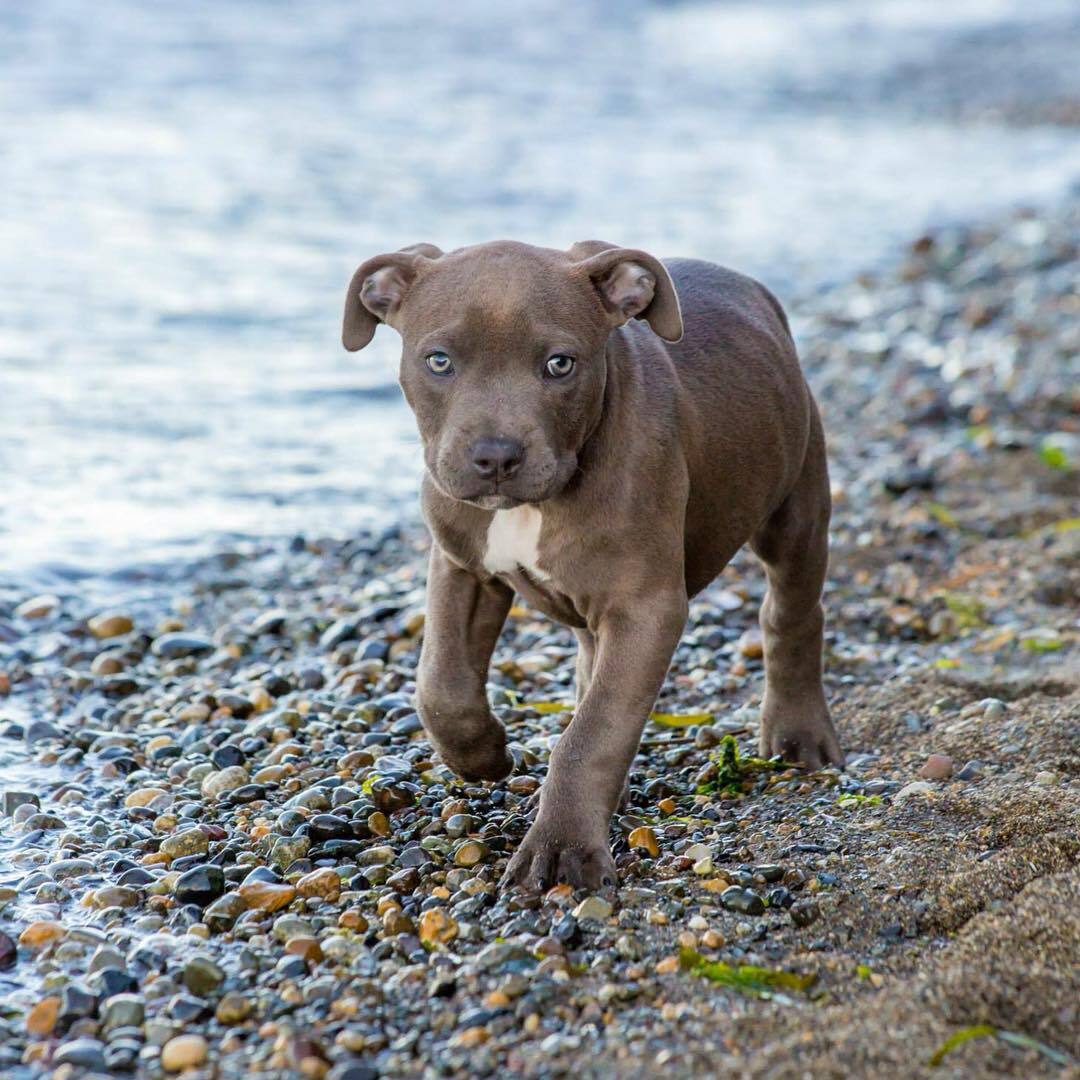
(439, 363)
(559, 366)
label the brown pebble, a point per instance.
(751, 645)
(41, 1019)
(937, 767)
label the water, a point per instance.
(186, 189)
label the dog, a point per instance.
(602, 431)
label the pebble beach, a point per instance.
(226, 848)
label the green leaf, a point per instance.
(746, 978)
(1054, 456)
(546, 706)
(1042, 643)
(941, 514)
(958, 1038)
(680, 720)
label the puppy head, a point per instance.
(504, 353)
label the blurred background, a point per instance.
(186, 189)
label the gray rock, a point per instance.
(82, 1054)
(12, 800)
(123, 1010)
(175, 645)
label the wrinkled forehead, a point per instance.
(505, 292)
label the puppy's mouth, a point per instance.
(533, 486)
(494, 502)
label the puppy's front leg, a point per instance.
(568, 842)
(464, 618)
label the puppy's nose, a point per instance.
(496, 459)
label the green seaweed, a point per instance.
(1026, 1042)
(958, 1038)
(746, 978)
(732, 769)
(852, 800)
(1013, 1038)
(968, 609)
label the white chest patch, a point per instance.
(513, 541)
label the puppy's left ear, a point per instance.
(633, 284)
(377, 290)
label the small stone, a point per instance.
(202, 976)
(267, 895)
(233, 1008)
(643, 837)
(804, 912)
(12, 800)
(39, 935)
(751, 645)
(123, 1010)
(143, 796)
(287, 849)
(106, 663)
(1046, 778)
(909, 791)
(201, 885)
(38, 607)
(222, 782)
(471, 1037)
(41, 1019)
(937, 767)
(745, 901)
(470, 853)
(115, 896)
(306, 947)
(8, 952)
(182, 844)
(593, 907)
(110, 624)
(175, 645)
(86, 1054)
(523, 785)
(184, 1052)
(223, 912)
(324, 883)
(437, 927)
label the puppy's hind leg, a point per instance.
(794, 546)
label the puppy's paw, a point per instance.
(490, 764)
(555, 855)
(808, 740)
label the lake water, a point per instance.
(186, 189)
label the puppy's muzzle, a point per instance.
(496, 459)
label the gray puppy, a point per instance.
(602, 432)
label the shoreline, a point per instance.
(247, 796)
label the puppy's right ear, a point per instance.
(377, 289)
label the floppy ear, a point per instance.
(633, 284)
(377, 289)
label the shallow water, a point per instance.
(187, 188)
